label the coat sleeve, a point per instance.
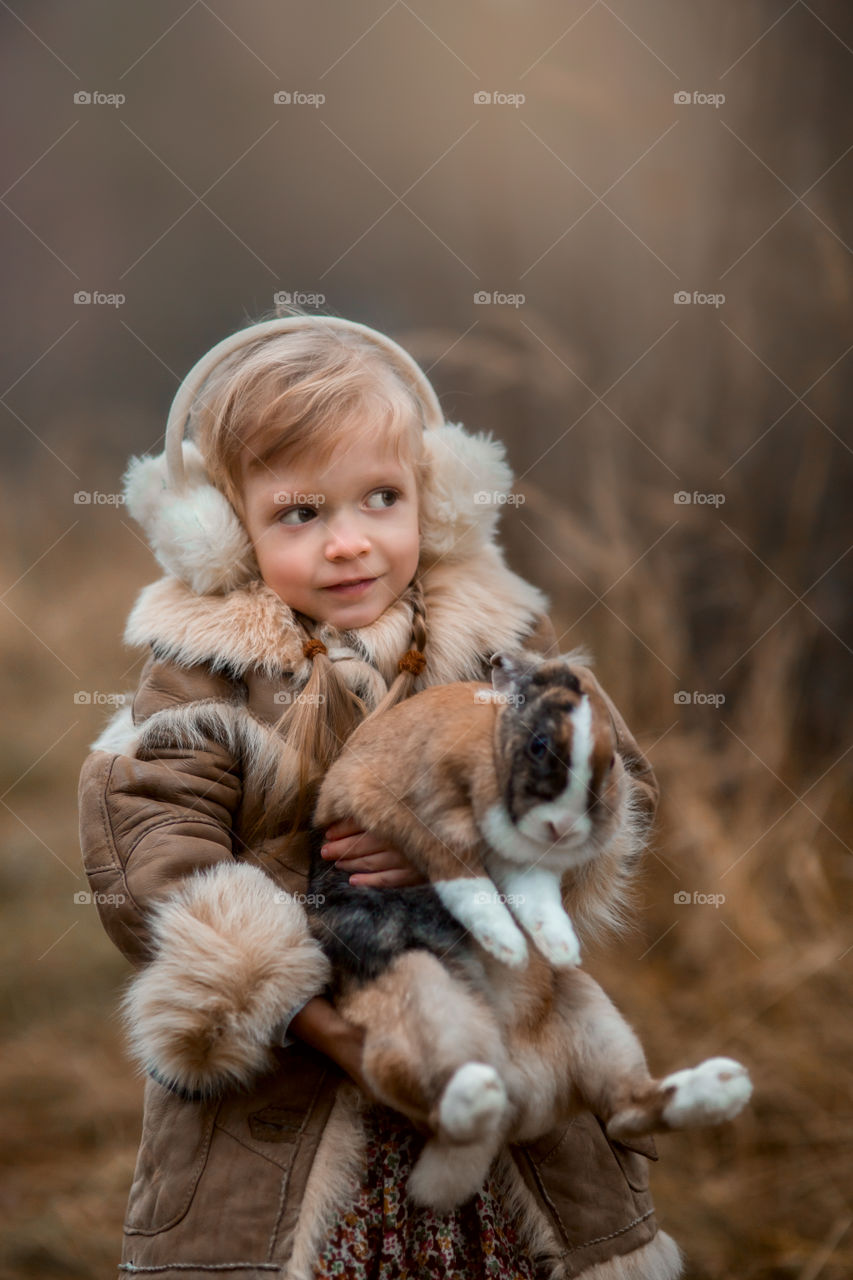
(223, 956)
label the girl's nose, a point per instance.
(346, 539)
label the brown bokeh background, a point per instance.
(720, 624)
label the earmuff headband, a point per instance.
(195, 379)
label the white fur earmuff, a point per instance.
(195, 534)
(461, 499)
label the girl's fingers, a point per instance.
(368, 861)
(381, 860)
(343, 827)
(353, 846)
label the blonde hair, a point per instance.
(307, 394)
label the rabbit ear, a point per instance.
(507, 671)
(462, 495)
(195, 534)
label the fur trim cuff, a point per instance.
(233, 957)
(660, 1259)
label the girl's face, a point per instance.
(353, 521)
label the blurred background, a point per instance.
(616, 234)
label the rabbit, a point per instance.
(510, 798)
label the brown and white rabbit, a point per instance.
(513, 800)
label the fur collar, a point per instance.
(474, 607)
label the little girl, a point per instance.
(329, 548)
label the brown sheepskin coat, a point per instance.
(250, 1150)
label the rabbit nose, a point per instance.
(559, 829)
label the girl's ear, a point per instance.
(465, 482)
(195, 535)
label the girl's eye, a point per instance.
(538, 746)
(294, 516)
(385, 493)
(284, 518)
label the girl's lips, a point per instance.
(352, 588)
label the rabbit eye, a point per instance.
(612, 762)
(538, 746)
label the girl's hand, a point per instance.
(367, 859)
(319, 1024)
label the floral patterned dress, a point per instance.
(384, 1236)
